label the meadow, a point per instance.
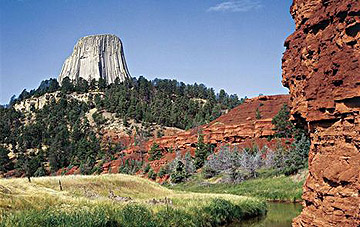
(271, 188)
(116, 200)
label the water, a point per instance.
(279, 215)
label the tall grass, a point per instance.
(216, 213)
(84, 202)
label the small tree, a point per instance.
(298, 156)
(283, 126)
(5, 162)
(201, 152)
(102, 83)
(179, 173)
(257, 114)
(155, 152)
(66, 85)
(163, 170)
(152, 175)
(147, 168)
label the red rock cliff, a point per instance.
(321, 67)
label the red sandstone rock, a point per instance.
(235, 128)
(321, 67)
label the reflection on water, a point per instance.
(279, 215)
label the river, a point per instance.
(279, 215)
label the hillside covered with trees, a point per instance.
(59, 135)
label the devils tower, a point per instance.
(95, 57)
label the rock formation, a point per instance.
(239, 127)
(321, 67)
(94, 57)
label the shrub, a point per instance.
(155, 152)
(163, 170)
(298, 156)
(152, 175)
(257, 114)
(147, 168)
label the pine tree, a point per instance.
(201, 152)
(283, 126)
(5, 163)
(155, 152)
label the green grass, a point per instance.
(278, 188)
(84, 201)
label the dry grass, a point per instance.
(85, 191)
(84, 201)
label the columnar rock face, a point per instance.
(94, 57)
(321, 67)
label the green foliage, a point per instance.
(10, 121)
(175, 217)
(5, 163)
(102, 83)
(202, 151)
(98, 118)
(40, 172)
(163, 171)
(130, 166)
(137, 215)
(147, 168)
(283, 126)
(257, 114)
(151, 174)
(66, 85)
(282, 188)
(62, 127)
(208, 172)
(155, 152)
(179, 173)
(165, 102)
(217, 212)
(298, 156)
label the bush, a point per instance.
(152, 175)
(181, 168)
(297, 158)
(209, 172)
(221, 212)
(163, 171)
(155, 152)
(238, 165)
(147, 168)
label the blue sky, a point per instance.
(236, 45)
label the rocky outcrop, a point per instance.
(239, 127)
(321, 67)
(36, 103)
(94, 57)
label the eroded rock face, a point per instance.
(94, 57)
(239, 127)
(321, 67)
